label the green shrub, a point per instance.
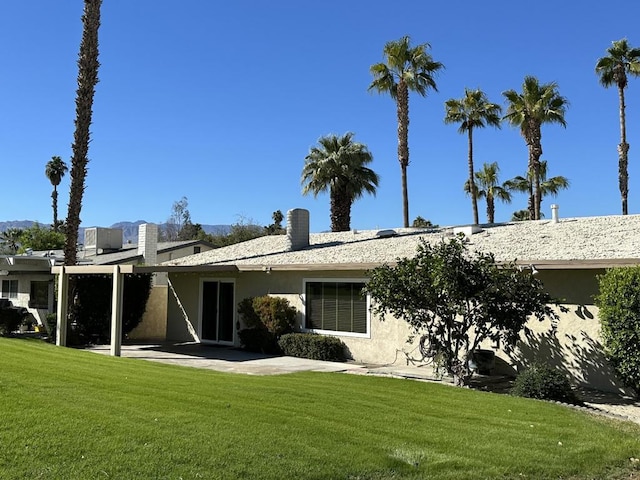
(313, 346)
(52, 323)
(543, 382)
(10, 319)
(266, 319)
(258, 340)
(274, 314)
(619, 304)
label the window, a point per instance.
(196, 250)
(39, 297)
(9, 288)
(336, 306)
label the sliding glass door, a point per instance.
(217, 306)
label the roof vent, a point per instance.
(298, 228)
(554, 213)
(467, 231)
(386, 233)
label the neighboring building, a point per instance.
(28, 282)
(317, 271)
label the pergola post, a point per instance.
(62, 309)
(116, 311)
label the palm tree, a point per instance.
(613, 70)
(55, 170)
(474, 110)
(488, 186)
(338, 164)
(551, 186)
(11, 239)
(406, 69)
(87, 78)
(536, 105)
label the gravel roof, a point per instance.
(584, 240)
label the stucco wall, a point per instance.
(154, 321)
(571, 344)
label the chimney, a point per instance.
(148, 243)
(554, 213)
(298, 228)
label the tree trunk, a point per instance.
(54, 197)
(623, 159)
(403, 145)
(340, 211)
(534, 141)
(472, 183)
(491, 208)
(87, 78)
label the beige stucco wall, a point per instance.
(572, 345)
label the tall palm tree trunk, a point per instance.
(340, 211)
(54, 197)
(491, 208)
(87, 78)
(535, 152)
(623, 150)
(472, 183)
(403, 145)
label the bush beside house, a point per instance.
(619, 304)
(266, 319)
(315, 347)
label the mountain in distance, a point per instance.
(129, 229)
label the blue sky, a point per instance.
(221, 101)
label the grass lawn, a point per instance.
(69, 414)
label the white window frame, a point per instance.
(335, 333)
(8, 293)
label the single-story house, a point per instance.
(310, 269)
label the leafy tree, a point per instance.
(488, 186)
(619, 304)
(242, 231)
(547, 186)
(87, 79)
(10, 240)
(472, 111)
(406, 68)
(179, 226)
(420, 222)
(41, 238)
(339, 165)
(55, 170)
(536, 105)
(455, 299)
(621, 60)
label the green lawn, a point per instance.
(68, 414)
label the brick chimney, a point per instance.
(298, 228)
(148, 243)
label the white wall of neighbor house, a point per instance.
(22, 297)
(572, 344)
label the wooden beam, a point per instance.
(116, 310)
(62, 310)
